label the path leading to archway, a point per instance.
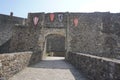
(52, 68)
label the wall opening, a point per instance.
(55, 45)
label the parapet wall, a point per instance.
(96, 68)
(12, 63)
(6, 30)
(6, 19)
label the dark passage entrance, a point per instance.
(55, 45)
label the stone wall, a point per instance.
(7, 19)
(26, 37)
(111, 30)
(59, 20)
(20, 39)
(6, 30)
(5, 47)
(94, 67)
(96, 33)
(12, 63)
(35, 58)
(86, 36)
(44, 28)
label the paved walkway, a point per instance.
(52, 68)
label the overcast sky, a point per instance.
(22, 7)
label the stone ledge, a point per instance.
(12, 63)
(96, 68)
(101, 58)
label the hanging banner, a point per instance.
(52, 17)
(60, 17)
(75, 22)
(35, 20)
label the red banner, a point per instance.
(75, 21)
(52, 16)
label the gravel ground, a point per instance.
(52, 68)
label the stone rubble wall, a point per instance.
(86, 36)
(96, 34)
(12, 63)
(96, 68)
(7, 24)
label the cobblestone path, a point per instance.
(52, 68)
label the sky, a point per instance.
(21, 8)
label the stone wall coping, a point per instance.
(101, 58)
(12, 63)
(17, 53)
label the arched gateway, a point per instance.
(51, 32)
(53, 42)
(55, 45)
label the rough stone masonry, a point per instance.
(89, 33)
(94, 33)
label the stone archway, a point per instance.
(45, 32)
(55, 45)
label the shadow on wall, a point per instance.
(35, 57)
(5, 47)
